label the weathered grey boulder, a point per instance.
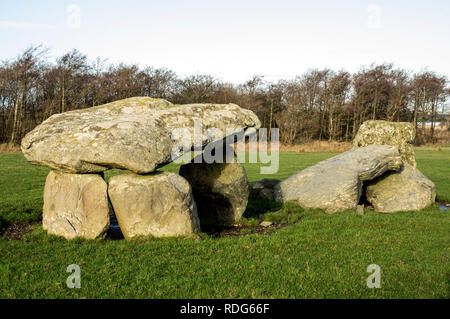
(406, 190)
(220, 190)
(400, 134)
(336, 183)
(264, 188)
(75, 205)
(138, 134)
(159, 205)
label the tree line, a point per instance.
(317, 105)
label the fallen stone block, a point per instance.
(336, 183)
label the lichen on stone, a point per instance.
(400, 134)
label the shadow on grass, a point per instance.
(275, 215)
(258, 210)
(257, 207)
(15, 220)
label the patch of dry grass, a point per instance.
(441, 135)
(310, 147)
(9, 148)
(317, 147)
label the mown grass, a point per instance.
(319, 256)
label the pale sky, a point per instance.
(233, 40)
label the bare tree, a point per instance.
(70, 66)
(319, 104)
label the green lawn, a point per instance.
(320, 256)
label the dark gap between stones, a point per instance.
(363, 198)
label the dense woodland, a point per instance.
(317, 105)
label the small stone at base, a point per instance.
(265, 224)
(360, 210)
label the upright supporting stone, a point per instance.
(220, 190)
(264, 188)
(159, 204)
(400, 134)
(75, 205)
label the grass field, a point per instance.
(318, 256)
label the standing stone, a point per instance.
(406, 190)
(138, 134)
(400, 134)
(159, 205)
(220, 190)
(264, 188)
(336, 183)
(75, 205)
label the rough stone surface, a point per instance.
(75, 205)
(159, 205)
(264, 188)
(336, 183)
(220, 190)
(135, 134)
(406, 190)
(400, 134)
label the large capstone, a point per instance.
(138, 134)
(406, 190)
(158, 205)
(336, 183)
(75, 205)
(400, 134)
(220, 190)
